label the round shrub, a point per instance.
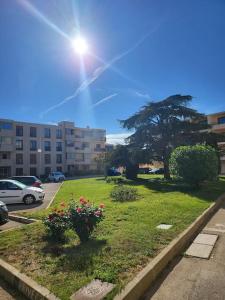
(194, 164)
(124, 193)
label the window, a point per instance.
(19, 130)
(6, 125)
(47, 132)
(59, 169)
(33, 172)
(69, 131)
(88, 133)
(3, 186)
(5, 155)
(69, 143)
(47, 170)
(47, 146)
(58, 158)
(47, 158)
(33, 158)
(33, 145)
(19, 144)
(221, 120)
(19, 171)
(33, 132)
(58, 146)
(58, 133)
(19, 158)
(79, 156)
(11, 186)
(6, 140)
(70, 155)
(85, 145)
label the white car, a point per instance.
(12, 191)
(56, 176)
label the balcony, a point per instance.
(6, 147)
(218, 127)
(99, 149)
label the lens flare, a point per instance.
(80, 45)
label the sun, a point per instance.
(80, 45)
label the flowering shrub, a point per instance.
(84, 218)
(57, 222)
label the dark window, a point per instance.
(33, 158)
(58, 146)
(19, 171)
(6, 125)
(85, 145)
(47, 146)
(19, 130)
(69, 131)
(47, 158)
(58, 158)
(59, 169)
(33, 171)
(19, 158)
(33, 131)
(19, 144)
(12, 186)
(5, 155)
(58, 133)
(221, 120)
(47, 170)
(69, 143)
(3, 186)
(33, 145)
(47, 132)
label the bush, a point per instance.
(115, 179)
(84, 218)
(57, 222)
(194, 164)
(124, 193)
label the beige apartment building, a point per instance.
(217, 121)
(38, 149)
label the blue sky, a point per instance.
(139, 51)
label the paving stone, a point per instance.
(164, 226)
(206, 239)
(199, 250)
(95, 290)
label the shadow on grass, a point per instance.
(77, 257)
(209, 191)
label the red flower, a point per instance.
(98, 213)
(78, 209)
(83, 201)
(102, 205)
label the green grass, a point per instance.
(123, 243)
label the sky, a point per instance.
(138, 51)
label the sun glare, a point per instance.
(80, 45)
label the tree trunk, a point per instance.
(166, 169)
(131, 172)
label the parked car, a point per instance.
(4, 218)
(157, 171)
(144, 170)
(12, 191)
(56, 176)
(113, 172)
(28, 180)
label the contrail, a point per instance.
(96, 74)
(105, 99)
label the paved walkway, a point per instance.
(50, 191)
(189, 278)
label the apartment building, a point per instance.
(217, 121)
(38, 149)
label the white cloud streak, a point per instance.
(96, 74)
(103, 100)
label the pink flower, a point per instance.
(78, 209)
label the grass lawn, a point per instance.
(123, 243)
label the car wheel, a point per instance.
(29, 199)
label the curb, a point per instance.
(141, 283)
(21, 219)
(27, 286)
(54, 196)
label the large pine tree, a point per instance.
(161, 126)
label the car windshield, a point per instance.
(19, 184)
(58, 173)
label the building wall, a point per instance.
(79, 147)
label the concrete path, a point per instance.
(50, 191)
(189, 278)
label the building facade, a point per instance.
(217, 122)
(38, 149)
